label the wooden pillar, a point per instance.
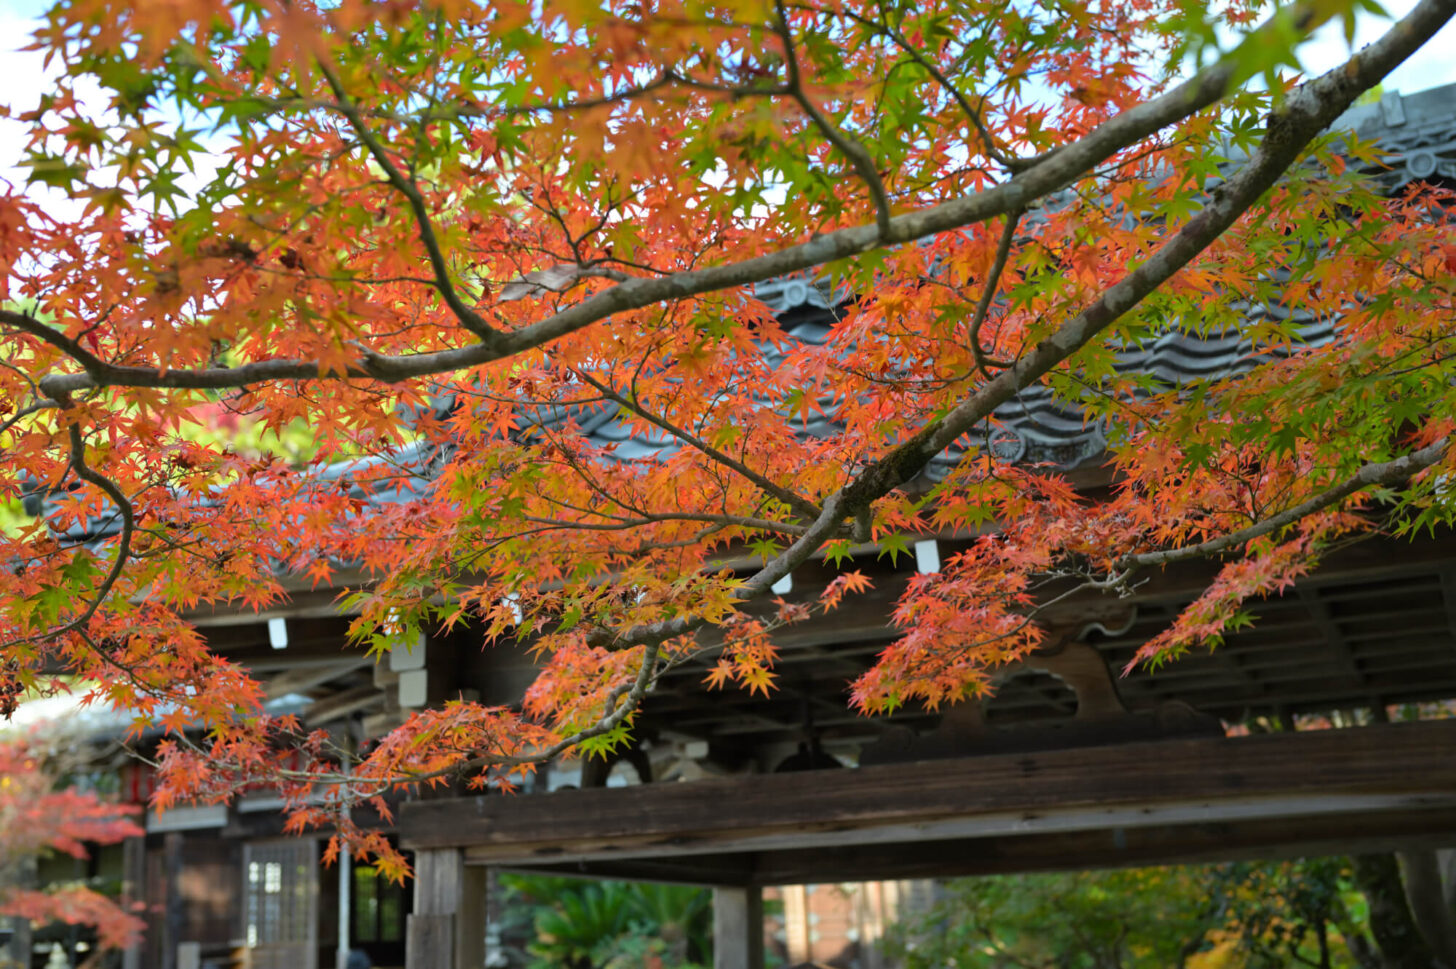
(173, 911)
(472, 923)
(446, 930)
(737, 928)
(133, 890)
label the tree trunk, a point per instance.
(1400, 941)
(1421, 873)
(1446, 862)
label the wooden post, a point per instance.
(796, 923)
(173, 911)
(737, 928)
(430, 931)
(446, 930)
(471, 921)
(133, 890)
(345, 931)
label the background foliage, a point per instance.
(1249, 915)
(570, 924)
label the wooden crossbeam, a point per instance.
(1335, 777)
(1367, 832)
(336, 707)
(305, 675)
(1217, 841)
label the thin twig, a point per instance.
(847, 145)
(1392, 472)
(407, 187)
(795, 501)
(988, 295)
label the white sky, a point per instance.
(1431, 66)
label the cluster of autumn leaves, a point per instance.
(38, 816)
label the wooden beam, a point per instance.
(330, 708)
(1334, 834)
(982, 825)
(704, 870)
(307, 675)
(1331, 834)
(1206, 780)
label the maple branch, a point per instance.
(988, 294)
(123, 547)
(1307, 109)
(1396, 471)
(847, 145)
(128, 526)
(626, 524)
(1049, 174)
(449, 113)
(1008, 162)
(801, 505)
(620, 704)
(407, 187)
(1029, 617)
(26, 323)
(26, 411)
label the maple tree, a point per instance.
(442, 235)
(37, 816)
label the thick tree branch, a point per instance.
(26, 323)
(1307, 110)
(1046, 176)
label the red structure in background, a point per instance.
(838, 925)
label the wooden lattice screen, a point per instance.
(280, 892)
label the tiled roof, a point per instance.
(1416, 137)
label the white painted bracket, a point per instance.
(927, 556)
